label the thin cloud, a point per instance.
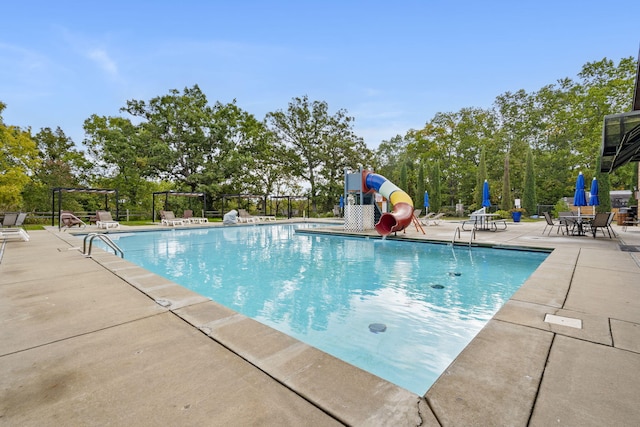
(102, 59)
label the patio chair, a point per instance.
(10, 220)
(169, 218)
(14, 233)
(425, 219)
(68, 220)
(603, 221)
(436, 219)
(187, 215)
(551, 223)
(243, 216)
(105, 220)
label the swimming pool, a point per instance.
(400, 310)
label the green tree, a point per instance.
(62, 165)
(121, 157)
(404, 181)
(436, 188)
(506, 203)
(419, 198)
(312, 134)
(18, 160)
(529, 202)
(179, 134)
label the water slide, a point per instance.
(401, 215)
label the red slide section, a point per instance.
(401, 215)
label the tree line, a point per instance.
(180, 141)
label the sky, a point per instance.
(390, 65)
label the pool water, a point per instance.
(400, 310)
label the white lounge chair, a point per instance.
(436, 219)
(169, 218)
(12, 219)
(243, 216)
(14, 233)
(188, 216)
(425, 219)
(105, 220)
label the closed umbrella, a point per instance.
(580, 197)
(594, 200)
(426, 202)
(486, 198)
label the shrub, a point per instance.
(503, 214)
(560, 206)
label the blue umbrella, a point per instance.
(486, 199)
(426, 200)
(580, 197)
(594, 200)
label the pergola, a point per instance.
(177, 193)
(289, 198)
(263, 199)
(621, 134)
(60, 190)
(225, 197)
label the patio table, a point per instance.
(578, 223)
(481, 222)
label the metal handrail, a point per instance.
(453, 241)
(473, 236)
(457, 232)
(106, 239)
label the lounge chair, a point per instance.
(425, 219)
(14, 233)
(68, 220)
(105, 220)
(169, 218)
(603, 222)
(551, 223)
(188, 216)
(436, 219)
(10, 220)
(243, 216)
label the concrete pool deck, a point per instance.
(87, 341)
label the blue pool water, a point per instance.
(338, 293)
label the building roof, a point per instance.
(621, 134)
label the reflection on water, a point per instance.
(327, 290)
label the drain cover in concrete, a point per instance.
(629, 248)
(564, 321)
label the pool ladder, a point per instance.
(458, 233)
(106, 239)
